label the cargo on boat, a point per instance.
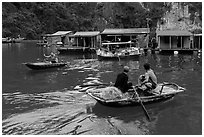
(111, 96)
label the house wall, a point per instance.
(164, 42)
(173, 42)
(91, 42)
(186, 41)
(54, 39)
(197, 42)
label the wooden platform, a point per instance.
(179, 51)
(172, 51)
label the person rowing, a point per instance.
(52, 57)
(122, 80)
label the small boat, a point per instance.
(12, 40)
(44, 65)
(18, 40)
(163, 92)
(112, 51)
(6, 40)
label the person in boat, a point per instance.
(122, 80)
(52, 57)
(148, 80)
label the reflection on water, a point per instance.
(45, 102)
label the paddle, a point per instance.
(143, 107)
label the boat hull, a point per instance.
(134, 101)
(43, 65)
(74, 50)
(134, 57)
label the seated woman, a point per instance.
(52, 57)
(148, 81)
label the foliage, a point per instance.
(32, 19)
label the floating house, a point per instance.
(60, 37)
(141, 35)
(82, 42)
(122, 43)
(175, 40)
(89, 39)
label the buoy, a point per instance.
(175, 52)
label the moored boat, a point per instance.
(163, 92)
(71, 49)
(118, 51)
(6, 40)
(18, 40)
(44, 65)
(12, 40)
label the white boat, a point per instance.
(117, 51)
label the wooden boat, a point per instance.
(6, 40)
(44, 65)
(112, 51)
(163, 92)
(12, 40)
(18, 40)
(74, 50)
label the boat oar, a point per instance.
(143, 107)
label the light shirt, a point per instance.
(150, 75)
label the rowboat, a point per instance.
(163, 92)
(12, 40)
(44, 65)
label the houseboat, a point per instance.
(82, 42)
(61, 37)
(175, 42)
(122, 43)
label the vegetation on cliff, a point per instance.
(31, 19)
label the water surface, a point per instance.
(45, 102)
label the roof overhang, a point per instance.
(86, 34)
(59, 33)
(126, 31)
(174, 33)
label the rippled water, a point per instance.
(45, 102)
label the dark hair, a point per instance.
(126, 69)
(146, 66)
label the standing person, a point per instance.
(122, 80)
(149, 79)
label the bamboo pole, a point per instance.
(199, 42)
(77, 42)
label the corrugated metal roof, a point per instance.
(174, 33)
(87, 33)
(60, 33)
(126, 31)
